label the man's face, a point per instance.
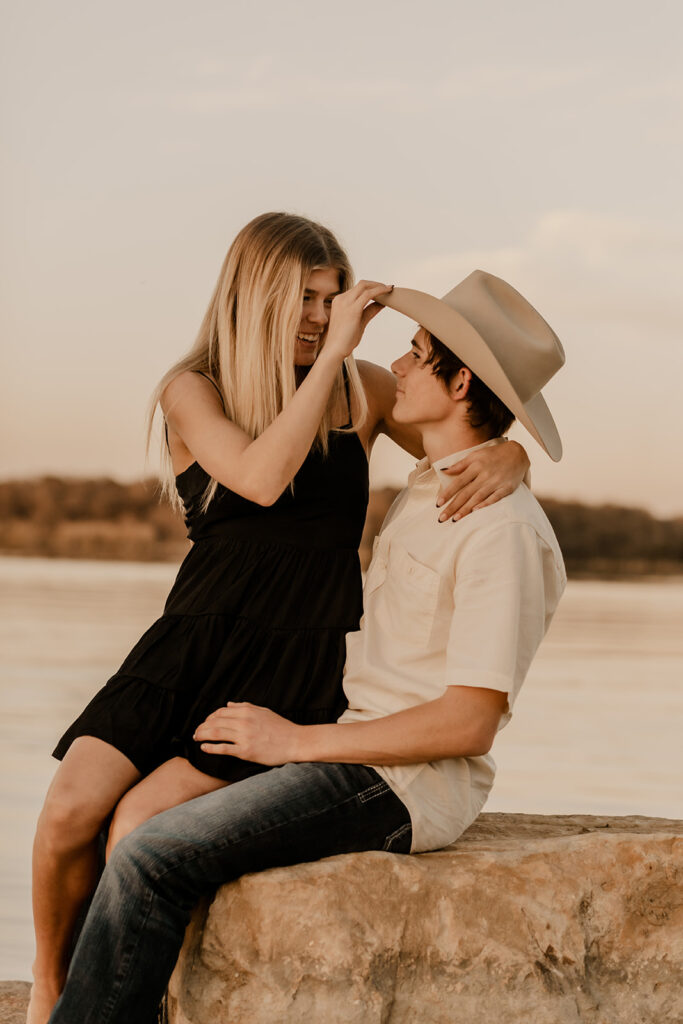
(421, 398)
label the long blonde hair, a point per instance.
(247, 339)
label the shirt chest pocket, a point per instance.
(407, 602)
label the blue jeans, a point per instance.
(135, 926)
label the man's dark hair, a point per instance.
(484, 408)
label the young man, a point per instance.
(453, 618)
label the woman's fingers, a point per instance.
(370, 312)
(461, 502)
(469, 489)
(455, 493)
(376, 288)
(473, 501)
(369, 289)
(459, 471)
(476, 482)
(492, 498)
(361, 294)
(351, 312)
(471, 497)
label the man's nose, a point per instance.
(398, 365)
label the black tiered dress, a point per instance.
(258, 612)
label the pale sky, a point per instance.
(539, 141)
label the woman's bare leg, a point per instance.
(87, 786)
(172, 783)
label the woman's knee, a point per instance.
(70, 818)
(86, 787)
(128, 815)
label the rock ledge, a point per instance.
(14, 1001)
(550, 920)
(554, 920)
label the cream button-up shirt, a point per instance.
(450, 604)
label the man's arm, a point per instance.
(461, 723)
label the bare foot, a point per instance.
(42, 1001)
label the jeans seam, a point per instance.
(198, 854)
(397, 834)
(126, 958)
(373, 791)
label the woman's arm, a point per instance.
(260, 468)
(483, 478)
(461, 723)
(478, 480)
(380, 391)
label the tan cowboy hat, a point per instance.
(501, 338)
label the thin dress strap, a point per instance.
(347, 389)
(211, 381)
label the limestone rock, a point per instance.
(14, 1001)
(536, 920)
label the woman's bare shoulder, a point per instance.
(379, 384)
(188, 384)
(380, 389)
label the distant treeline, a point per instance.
(609, 540)
(85, 518)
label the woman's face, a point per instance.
(321, 288)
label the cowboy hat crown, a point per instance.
(501, 338)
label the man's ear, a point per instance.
(460, 384)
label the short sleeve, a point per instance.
(502, 607)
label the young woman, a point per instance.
(269, 423)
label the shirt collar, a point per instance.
(424, 467)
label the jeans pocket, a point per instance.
(400, 840)
(373, 792)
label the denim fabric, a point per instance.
(135, 926)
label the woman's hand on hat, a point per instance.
(350, 314)
(481, 479)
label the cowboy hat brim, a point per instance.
(458, 334)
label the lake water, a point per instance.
(597, 727)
